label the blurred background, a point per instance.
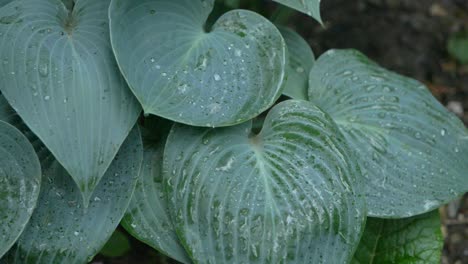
(423, 39)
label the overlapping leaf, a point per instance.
(286, 195)
(147, 216)
(309, 7)
(180, 71)
(58, 72)
(301, 60)
(20, 174)
(416, 240)
(61, 230)
(413, 152)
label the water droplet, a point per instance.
(217, 77)
(299, 69)
(152, 60)
(43, 69)
(456, 150)
(47, 97)
(238, 53)
(443, 132)
(76, 233)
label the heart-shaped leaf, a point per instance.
(58, 72)
(287, 195)
(147, 217)
(61, 230)
(416, 240)
(309, 7)
(413, 152)
(20, 177)
(301, 60)
(181, 72)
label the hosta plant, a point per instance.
(213, 137)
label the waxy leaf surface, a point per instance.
(61, 230)
(147, 217)
(20, 177)
(184, 72)
(58, 72)
(289, 194)
(413, 152)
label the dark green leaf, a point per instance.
(117, 245)
(416, 240)
(458, 47)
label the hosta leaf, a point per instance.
(413, 152)
(286, 195)
(301, 60)
(182, 72)
(416, 240)
(309, 7)
(61, 230)
(147, 216)
(58, 72)
(20, 175)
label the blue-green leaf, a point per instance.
(58, 72)
(309, 7)
(287, 195)
(147, 217)
(20, 176)
(416, 240)
(180, 71)
(61, 230)
(301, 60)
(412, 150)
